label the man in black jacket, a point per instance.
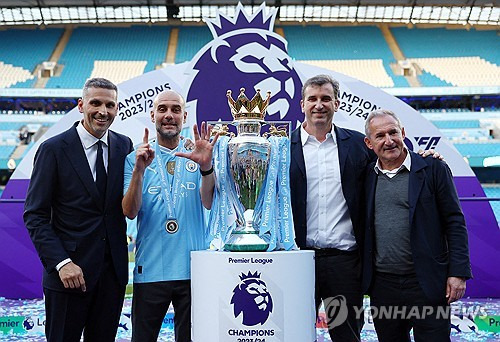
(416, 256)
(74, 217)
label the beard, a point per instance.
(168, 134)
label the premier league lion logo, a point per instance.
(251, 298)
(28, 323)
(245, 53)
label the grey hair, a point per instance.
(379, 112)
(155, 100)
(98, 83)
(320, 80)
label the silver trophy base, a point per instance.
(246, 239)
(246, 242)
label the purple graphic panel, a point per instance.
(20, 267)
(484, 238)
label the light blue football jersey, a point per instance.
(162, 256)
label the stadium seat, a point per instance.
(118, 71)
(22, 50)
(89, 44)
(191, 40)
(371, 71)
(320, 43)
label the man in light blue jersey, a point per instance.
(166, 187)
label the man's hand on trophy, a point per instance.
(203, 147)
(144, 154)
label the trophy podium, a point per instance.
(240, 292)
(253, 296)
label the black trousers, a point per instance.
(95, 312)
(339, 274)
(399, 304)
(150, 305)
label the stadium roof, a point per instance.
(92, 3)
(47, 12)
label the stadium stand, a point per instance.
(467, 134)
(12, 75)
(9, 140)
(17, 135)
(456, 57)
(12, 126)
(88, 44)
(343, 43)
(457, 124)
(463, 125)
(6, 151)
(479, 149)
(191, 40)
(441, 42)
(493, 191)
(377, 76)
(430, 80)
(8, 137)
(454, 114)
(459, 71)
(118, 71)
(362, 52)
(17, 64)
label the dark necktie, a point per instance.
(101, 177)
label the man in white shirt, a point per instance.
(327, 183)
(74, 217)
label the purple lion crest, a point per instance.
(251, 298)
(245, 53)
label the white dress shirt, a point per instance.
(328, 222)
(391, 173)
(89, 143)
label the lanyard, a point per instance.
(169, 199)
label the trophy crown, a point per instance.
(243, 108)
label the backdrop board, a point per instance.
(246, 53)
(253, 297)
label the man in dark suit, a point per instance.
(327, 175)
(74, 217)
(416, 256)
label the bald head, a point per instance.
(168, 94)
(168, 115)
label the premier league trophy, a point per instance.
(252, 210)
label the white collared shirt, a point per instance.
(391, 173)
(328, 222)
(89, 143)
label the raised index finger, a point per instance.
(145, 140)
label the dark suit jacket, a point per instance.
(353, 158)
(438, 233)
(64, 214)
